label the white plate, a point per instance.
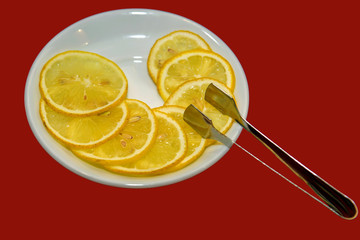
(126, 36)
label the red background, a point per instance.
(302, 64)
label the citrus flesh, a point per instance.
(134, 139)
(82, 83)
(192, 65)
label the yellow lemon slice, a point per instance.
(195, 143)
(168, 150)
(170, 45)
(191, 65)
(193, 92)
(84, 131)
(134, 139)
(82, 83)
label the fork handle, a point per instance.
(337, 201)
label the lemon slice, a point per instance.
(170, 45)
(193, 92)
(195, 143)
(84, 131)
(134, 139)
(191, 65)
(82, 83)
(168, 150)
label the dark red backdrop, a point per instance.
(302, 65)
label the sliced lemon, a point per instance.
(88, 131)
(191, 65)
(134, 139)
(170, 45)
(82, 83)
(195, 143)
(168, 150)
(193, 92)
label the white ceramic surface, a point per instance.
(126, 36)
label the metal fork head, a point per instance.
(203, 125)
(198, 121)
(222, 102)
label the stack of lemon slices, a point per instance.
(183, 76)
(84, 106)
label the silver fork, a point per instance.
(337, 201)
